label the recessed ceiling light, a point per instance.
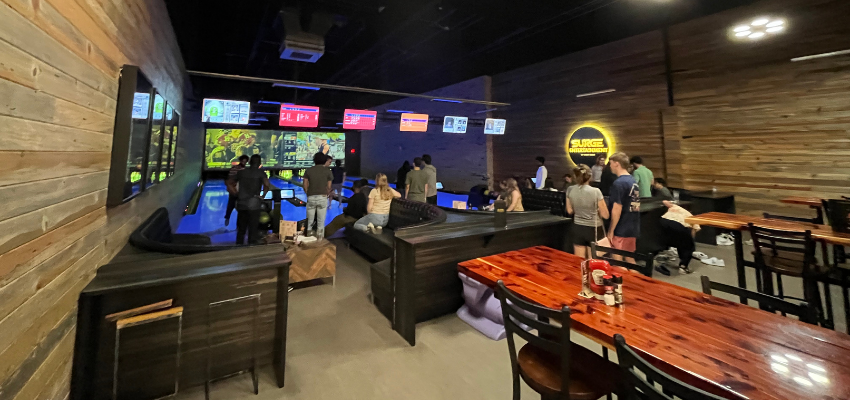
(777, 22)
(775, 29)
(742, 34)
(756, 35)
(741, 28)
(760, 22)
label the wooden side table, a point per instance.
(312, 261)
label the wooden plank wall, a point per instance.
(59, 67)
(544, 109)
(756, 124)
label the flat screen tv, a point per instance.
(494, 126)
(278, 149)
(453, 124)
(226, 111)
(414, 122)
(364, 120)
(299, 116)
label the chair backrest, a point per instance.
(644, 262)
(408, 214)
(536, 199)
(838, 212)
(776, 242)
(803, 310)
(639, 386)
(787, 218)
(550, 338)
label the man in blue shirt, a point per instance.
(624, 206)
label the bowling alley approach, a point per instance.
(440, 199)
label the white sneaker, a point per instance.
(714, 261)
(699, 255)
(370, 227)
(724, 241)
(379, 229)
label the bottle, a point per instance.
(675, 197)
(609, 296)
(618, 288)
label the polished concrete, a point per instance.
(341, 347)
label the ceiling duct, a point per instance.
(304, 37)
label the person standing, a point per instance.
(608, 178)
(416, 183)
(401, 175)
(431, 196)
(317, 185)
(339, 177)
(660, 186)
(643, 176)
(231, 198)
(568, 182)
(355, 210)
(253, 185)
(596, 171)
(586, 205)
(542, 173)
(380, 200)
(624, 207)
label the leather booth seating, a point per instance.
(403, 214)
(536, 199)
(155, 234)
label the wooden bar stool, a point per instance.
(255, 298)
(545, 363)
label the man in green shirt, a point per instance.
(416, 182)
(643, 177)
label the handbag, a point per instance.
(604, 242)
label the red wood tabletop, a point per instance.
(730, 349)
(806, 201)
(739, 222)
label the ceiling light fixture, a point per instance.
(758, 28)
(400, 111)
(487, 110)
(268, 102)
(447, 101)
(286, 85)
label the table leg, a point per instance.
(819, 217)
(739, 260)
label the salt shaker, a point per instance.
(618, 288)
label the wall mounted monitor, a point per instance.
(141, 103)
(414, 122)
(158, 105)
(287, 194)
(278, 149)
(454, 124)
(226, 111)
(299, 116)
(494, 126)
(364, 120)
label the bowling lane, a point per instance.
(209, 218)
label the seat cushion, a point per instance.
(591, 376)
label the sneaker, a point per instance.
(685, 270)
(663, 270)
(699, 255)
(379, 229)
(370, 227)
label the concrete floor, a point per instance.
(341, 347)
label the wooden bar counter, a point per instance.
(727, 348)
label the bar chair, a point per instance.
(643, 262)
(643, 385)
(803, 311)
(549, 363)
(790, 253)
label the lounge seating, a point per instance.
(403, 214)
(155, 234)
(534, 199)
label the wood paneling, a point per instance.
(752, 122)
(544, 108)
(59, 68)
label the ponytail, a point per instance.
(582, 174)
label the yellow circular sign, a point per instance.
(586, 143)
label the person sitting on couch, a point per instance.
(355, 210)
(380, 199)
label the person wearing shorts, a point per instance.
(624, 206)
(587, 206)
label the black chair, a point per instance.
(608, 255)
(803, 311)
(793, 219)
(790, 253)
(641, 378)
(545, 363)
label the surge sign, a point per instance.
(586, 143)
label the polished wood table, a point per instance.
(730, 349)
(813, 202)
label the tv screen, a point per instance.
(141, 103)
(279, 149)
(299, 116)
(287, 194)
(359, 119)
(414, 122)
(494, 126)
(226, 111)
(454, 124)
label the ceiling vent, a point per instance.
(304, 38)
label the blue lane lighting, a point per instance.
(400, 111)
(329, 127)
(265, 113)
(339, 123)
(295, 86)
(253, 124)
(447, 101)
(264, 119)
(268, 102)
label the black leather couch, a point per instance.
(535, 199)
(155, 234)
(403, 214)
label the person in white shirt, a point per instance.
(542, 173)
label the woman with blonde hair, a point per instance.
(511, 194)
(378, 208)
(588, 207)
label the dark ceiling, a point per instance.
(402, 45)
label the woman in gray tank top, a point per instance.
(588, 208)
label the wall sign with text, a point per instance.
(587, 142)
(299, 116)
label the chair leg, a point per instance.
(829, 318)
(779, 286)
